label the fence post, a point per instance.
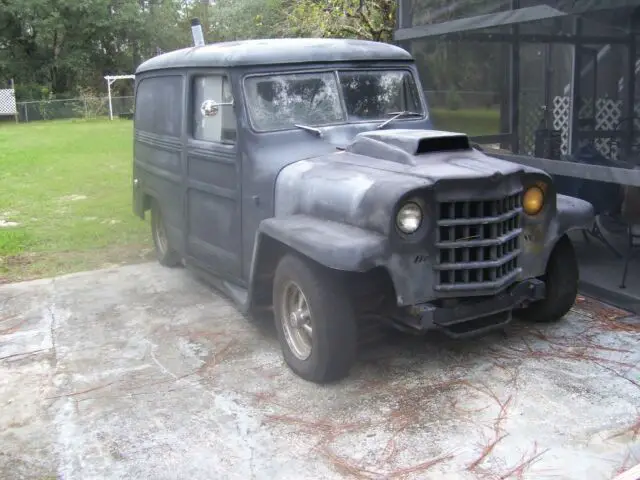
(86, 112)
(26, 113)
(12, 84)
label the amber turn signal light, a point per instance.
(533, 200)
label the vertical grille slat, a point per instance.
(489, 231)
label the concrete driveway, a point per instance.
(143, 372)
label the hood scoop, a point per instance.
(403, 146)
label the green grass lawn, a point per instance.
(67, 184)
(481, 121)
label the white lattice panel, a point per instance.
(7, 102)
(530, 116)
(561, 107)
(608, 114)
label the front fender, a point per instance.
(332, 244)
(571, 214)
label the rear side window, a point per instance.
(159, 105)
(214, 120)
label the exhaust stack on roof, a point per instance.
(196, 32)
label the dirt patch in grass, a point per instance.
(32, 265)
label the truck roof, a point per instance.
(276, 51)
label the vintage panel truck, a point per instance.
(305, 176)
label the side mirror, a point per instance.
(210, 108)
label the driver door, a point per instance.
(213, 177)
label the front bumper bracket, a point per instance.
(472, 317)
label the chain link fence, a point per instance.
(461, 99)
(83, 107)
(90, 107)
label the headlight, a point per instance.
(533, 200)
(409, 218)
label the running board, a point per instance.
(237, 294)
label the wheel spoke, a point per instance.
(161, 234)
(295, 300)
(296, 321)
(300, 303)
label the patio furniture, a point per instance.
(605, 197)
(631, 214)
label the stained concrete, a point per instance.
(142, 372)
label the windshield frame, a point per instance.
(335, 71)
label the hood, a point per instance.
(430, 154)
(362, 184)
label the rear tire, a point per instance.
(166, 255)
(321, 313)
(561, 282)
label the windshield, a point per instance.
(278, 102)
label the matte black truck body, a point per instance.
(330, 193)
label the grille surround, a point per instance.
(478, 243)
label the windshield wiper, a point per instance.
(397, 115)
(316, 131)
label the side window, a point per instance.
(159, 105)
(210, 122)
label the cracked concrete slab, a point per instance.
(142, 372)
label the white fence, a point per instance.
(7, 102)
(84, 107)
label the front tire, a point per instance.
(315, 320)
(561, 281)
(166, 256)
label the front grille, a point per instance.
(478, 243)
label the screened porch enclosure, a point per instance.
(554, 85)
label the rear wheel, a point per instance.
(165, 254)
(561, 282)
(315, 320)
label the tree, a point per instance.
(452, 63)
(62, 47)
(365, 19)
(62, 44)
(230, 20)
